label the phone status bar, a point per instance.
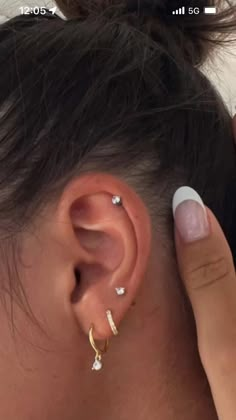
(194, 11)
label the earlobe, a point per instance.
(112, 230)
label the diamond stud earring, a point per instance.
(120, 291)
(116, 200)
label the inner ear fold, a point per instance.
(101, 231)
(101, 255)
(105, 248)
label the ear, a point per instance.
(111, 247)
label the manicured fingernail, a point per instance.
(190, 215)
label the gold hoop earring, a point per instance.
(111, 322)
(97, 365)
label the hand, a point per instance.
(207, 270)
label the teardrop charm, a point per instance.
(97, 365)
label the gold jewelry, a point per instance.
(111, 322)
(97, 365)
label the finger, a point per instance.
(207, 270)
(206, 267)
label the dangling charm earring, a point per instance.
(97, 365)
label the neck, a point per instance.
(153, 370)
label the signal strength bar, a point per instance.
(180, 11)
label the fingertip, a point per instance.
(185, 193)
(190, 215)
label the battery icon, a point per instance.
(210, 10)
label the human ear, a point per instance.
(111, 247)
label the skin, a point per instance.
(152, 370)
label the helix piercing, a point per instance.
(116, 200)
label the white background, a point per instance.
(221, 70)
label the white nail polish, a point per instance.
(184, 194)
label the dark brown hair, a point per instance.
(117, 87)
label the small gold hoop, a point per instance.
(97, 350)
(111, 322)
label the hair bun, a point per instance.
(196, 34)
